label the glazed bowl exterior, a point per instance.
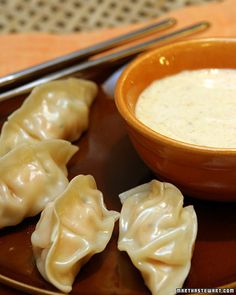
(203, 172)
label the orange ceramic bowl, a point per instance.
(206, 173)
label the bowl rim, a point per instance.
(145, 130)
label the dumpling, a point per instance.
(72, 229)
(32, 175)
(158, 234)
(54, 110)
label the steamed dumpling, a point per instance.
(54, 110)
(158, 234)
(72, 229)
(32, 175)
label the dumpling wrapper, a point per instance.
(32, 175)
(71, 229)
(158, 234)
(54, 110)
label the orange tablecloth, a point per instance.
(18, 51)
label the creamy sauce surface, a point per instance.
(196, 107)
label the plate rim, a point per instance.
(17, 285)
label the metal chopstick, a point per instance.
(34, 72)
(107, 59)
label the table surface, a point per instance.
(80, 15)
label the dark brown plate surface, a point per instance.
(107, 154)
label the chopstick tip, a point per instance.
(205, 24)
(172, 20)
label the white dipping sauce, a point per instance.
(196, 107)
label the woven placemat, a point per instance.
(63, 16)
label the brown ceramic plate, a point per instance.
(107, 154)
